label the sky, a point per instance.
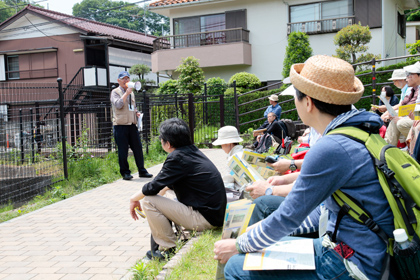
(66, 6)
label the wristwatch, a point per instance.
(292, 166)
(269, 190)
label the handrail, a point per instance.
(320, 20)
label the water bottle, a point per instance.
(401, 238)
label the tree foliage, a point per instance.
(122, 14)
(191, 76)
(216, 86)
(10, 7)
(140, 70)
(168, 87)
(298, 50)
(352, 44)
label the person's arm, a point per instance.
(282, 165)
(118, 100)
(282, 185)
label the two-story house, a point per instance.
(230, 36)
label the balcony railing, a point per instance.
(320, 26)
(225, 36)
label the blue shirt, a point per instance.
(335, 162)
(275, 109)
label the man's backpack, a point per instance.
(399, 176)
(291, 128)
(284, 147)
(265, 143)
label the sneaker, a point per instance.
(161, 255)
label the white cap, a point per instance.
(415, 68)
(226, 135)
(400, 235)
(398, 74)
(289, 91)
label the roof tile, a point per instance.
(160, 3)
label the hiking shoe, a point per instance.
(161, 255)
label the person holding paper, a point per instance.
(402, 125)
(325, 89)
(126, 135)
(198, 186)
(388, 93)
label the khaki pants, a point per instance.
(394, 130)
(159, 209)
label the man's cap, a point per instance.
(226, 135)
(123, 74)
(415, 68)
(328, 79)
(398, 74)
(274, 97)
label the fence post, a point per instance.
(32, 136)
(22, 149)
(236, 106)
(57, 123)
(205, 104)
(146, 120)
(191, 115)
(222, 110)
(373, 81)
(63, 131)
(176, 103)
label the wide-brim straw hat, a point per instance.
(226, 135)
(398, 74)
(273, 97)
(327, 79)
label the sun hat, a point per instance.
(328, 79)
(226, 135)
(415, 68)
(289, 91)
(273, 97)
(398, 74)
(123, 74)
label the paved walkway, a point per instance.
(89, 236)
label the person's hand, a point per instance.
(258, 138)
(373, 108)
(134, 204)
(275, 180)
(395, 119)
(411, 115)
(382, 108)
(281, 166)
(257, 189)
(224, 249)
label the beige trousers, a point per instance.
(394, 130)
(159, 209)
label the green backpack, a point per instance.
(399, 176)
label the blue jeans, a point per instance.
(329, 265)
(264, 206)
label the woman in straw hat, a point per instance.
(325, 89)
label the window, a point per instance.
(200, 24)
(13, 67)
(401, 25)
(306, 16)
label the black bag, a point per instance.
(291, 128)
(285, 146)
(264, 144)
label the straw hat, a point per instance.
(327, 79)
(398, 74)
(274, 97)
(226, 135)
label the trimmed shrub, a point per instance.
(245, 80)
(216, 86)
(168, 87)
(298, 50)
(191, 76)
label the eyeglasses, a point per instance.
(411, 74)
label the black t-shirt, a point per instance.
(195, 181)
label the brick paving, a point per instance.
(88, 236)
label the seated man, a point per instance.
(274, 106)
(326, 88)
(198, 186)
(273, 128)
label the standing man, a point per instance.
(274, 106)
(125, 130)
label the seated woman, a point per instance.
(274, 128)
(389, 95)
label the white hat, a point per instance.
(398, 74)
(226, 135)
(274, 97)
(289, 91)
(328, 79)
(415, 68)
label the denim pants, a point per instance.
(127, 136)
(264, 206)
(329, 265)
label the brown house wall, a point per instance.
(68, 61)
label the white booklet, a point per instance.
(292, 254)
(388, 106)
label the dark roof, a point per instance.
(160, 3)
(86, 26)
